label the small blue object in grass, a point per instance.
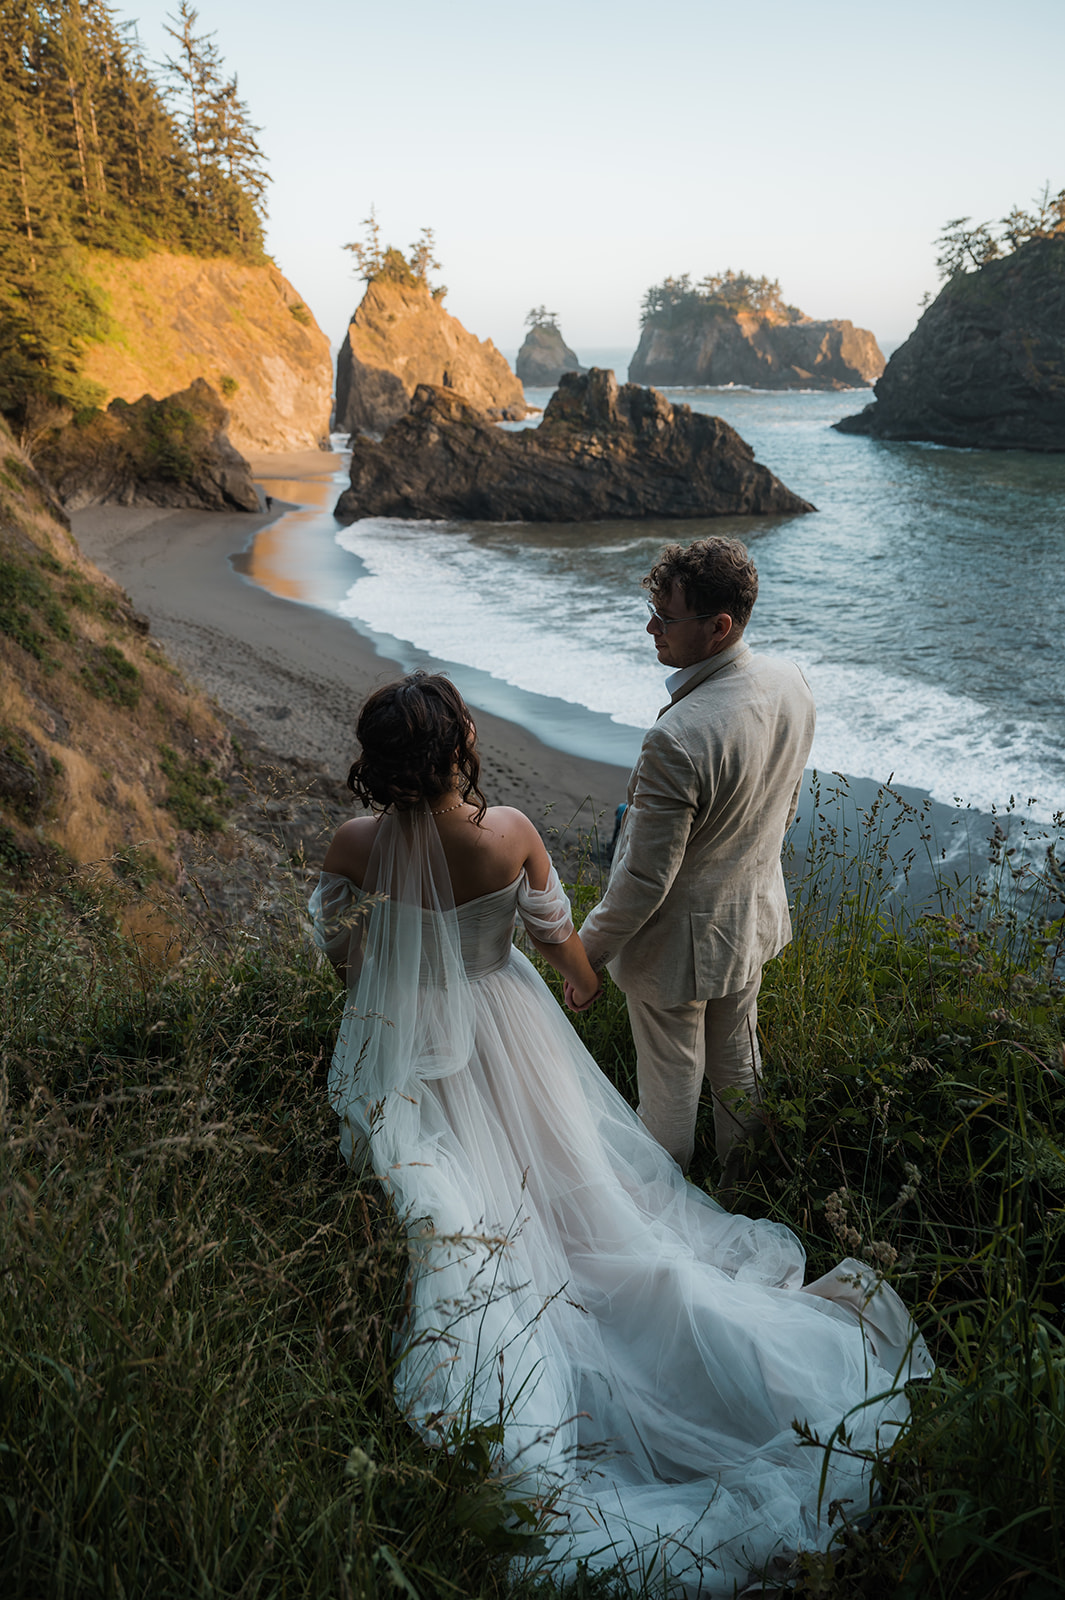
(618, 814)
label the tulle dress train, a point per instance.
(647, 1353)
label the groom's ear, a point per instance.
(725, 630)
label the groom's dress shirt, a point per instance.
(696, 902)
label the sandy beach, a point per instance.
(295, 675)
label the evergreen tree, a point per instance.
(90, 154)
(374, 260)
(229, 175)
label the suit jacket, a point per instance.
(696, 903)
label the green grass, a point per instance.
(198, 1304)
(196, 796)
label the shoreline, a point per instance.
(295, 674)
(290, 671)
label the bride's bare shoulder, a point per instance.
(349, 853)
(516, 837)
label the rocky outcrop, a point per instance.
(242, 328)
(985, 366)
(713, 346)
(600, 452)
(171, 452)
(545, 356)
(401, 337)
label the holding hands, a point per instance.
(577, 996)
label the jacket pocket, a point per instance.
(725, 948)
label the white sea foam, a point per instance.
(540, 618)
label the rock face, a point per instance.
(401, 337)
(985, 365)
(545, 356)
(242, 328)
(600, 452)
(171, 452)
(715, 346)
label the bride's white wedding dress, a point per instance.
(646, 1352)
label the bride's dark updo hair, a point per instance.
(417, 739)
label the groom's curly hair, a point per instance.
(417, 737)
(715, 574)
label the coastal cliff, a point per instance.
(985, 366)
(545, 356)
(601, 451)
(174, 318)
(105, 752)
(714, 346)
(401, 337)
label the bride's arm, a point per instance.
(566, 955)
(582, 983)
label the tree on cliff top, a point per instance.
(375, 262)
(540, 317)
(229, 170)
(678, 299)
(965, 248)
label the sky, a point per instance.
(572, 153)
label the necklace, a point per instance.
(445, 809)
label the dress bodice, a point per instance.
(486, 924)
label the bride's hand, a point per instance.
(577, 998)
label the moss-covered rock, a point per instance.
(171, 452)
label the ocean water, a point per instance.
(924, 600)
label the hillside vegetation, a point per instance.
(105, 751)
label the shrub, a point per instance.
(26, 599)
(110, 676)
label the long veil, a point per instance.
(473, 1307)
(409, 1015)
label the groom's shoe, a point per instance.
(738, 1166)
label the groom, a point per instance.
(696, 901)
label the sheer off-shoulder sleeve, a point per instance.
(546, 913)
(338, 919)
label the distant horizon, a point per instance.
(564, 162)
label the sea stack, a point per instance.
(602, 451)
(985, 366)
(401, 337)
(545, 356)
(732, 328)
(744, 348)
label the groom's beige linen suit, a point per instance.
(696, 903)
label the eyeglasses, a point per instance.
(667, 622)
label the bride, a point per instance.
(646, 1352)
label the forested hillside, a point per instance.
(100, 148)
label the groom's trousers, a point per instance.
(677, 1046)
